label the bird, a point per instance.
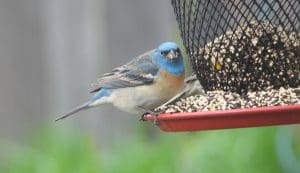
(142, 84)
(192, 86)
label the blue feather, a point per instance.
(174, 66)
(101, 93)
(167, 46)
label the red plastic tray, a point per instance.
(236, 118)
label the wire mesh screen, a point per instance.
(241, 45)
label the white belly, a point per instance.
(129, 99)
(147, 96)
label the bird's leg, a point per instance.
(143, 116)
(147, 111)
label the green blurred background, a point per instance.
(66, 149)
(50, 52)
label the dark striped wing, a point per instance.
(139, 71)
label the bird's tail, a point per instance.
(98, 99)
(77, 109)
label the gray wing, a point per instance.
(139, 71)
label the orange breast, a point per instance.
(170, 84)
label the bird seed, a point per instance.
(225, 100)
(250, 58)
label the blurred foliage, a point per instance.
(296, 143)
(286, 148)
(243, 150)
(66, 150)
(52, 151)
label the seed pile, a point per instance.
(250, 58)
(221, 100)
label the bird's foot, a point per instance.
(143, 116)
(155, 119)
(155, 113)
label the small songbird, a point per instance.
(142, 84)
(192, 87)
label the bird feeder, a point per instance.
(239, 46)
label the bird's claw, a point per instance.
(155, 119)
(155, 114)
(143, 116)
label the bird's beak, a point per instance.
(172, 54)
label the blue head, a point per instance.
(168, 56)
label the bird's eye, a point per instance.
(177, 50)
(164, 53)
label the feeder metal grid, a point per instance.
(241, 46)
